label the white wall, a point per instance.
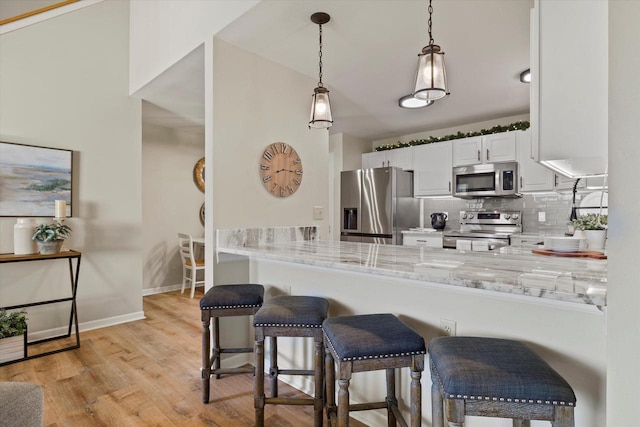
(257, 103)
(64, 84)
(162, 32)
(170, 201)
(623, 320)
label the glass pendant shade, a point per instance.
(431, 79)
(320, 109)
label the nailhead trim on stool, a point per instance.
(475, 373)
(367, 343)
(224, 301)
(289, 316)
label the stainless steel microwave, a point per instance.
(486, 180)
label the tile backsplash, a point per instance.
(556, 208)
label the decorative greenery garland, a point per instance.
(522, 125)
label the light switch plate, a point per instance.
(318, 212)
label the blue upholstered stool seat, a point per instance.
(372, 342)
(498, 378)
(371, 336)
(224, 301)
(292, 311)
(232, 296)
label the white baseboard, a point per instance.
(87, 326)
(163, 289)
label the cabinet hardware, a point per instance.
(478, 155)
(555, 179)
(449, 186)
(487, 154)
(521, 181)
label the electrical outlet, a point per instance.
(448, 327)
(318, 212)
(542, 216)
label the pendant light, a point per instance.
(320, 107)
(431, 80)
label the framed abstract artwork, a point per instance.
(32, 178)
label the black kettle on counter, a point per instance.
(438, 220)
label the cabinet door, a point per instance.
(400, 158)
(569, 52)
(561, 182)
(432, 169)
(533, 176)
(467, 151)
(500, 147)
(376, 159)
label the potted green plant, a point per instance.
(13, 333)
(593, 227)
(49, 237)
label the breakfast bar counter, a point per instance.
(555, 305)
(513, 270)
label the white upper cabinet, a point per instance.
(399, 158)
(432, 169)
(533, 176)
(569, 85)
(499, 147)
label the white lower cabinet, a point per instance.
(432, 169)
(417, 238)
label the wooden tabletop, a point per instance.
(35, 257)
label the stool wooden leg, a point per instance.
(521, 423)
(330, 378)
(454, 409)
(391, 397)
(273, 363)
(216, 346)
(206, 355)
(344, 379)
(563, 417)
(258, 386)
(437, 414)
(416, 390)
(318, 398)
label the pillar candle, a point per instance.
(61, 209)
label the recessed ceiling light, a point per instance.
(525, 76)
(409, 101)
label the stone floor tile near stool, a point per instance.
(368, 343)
(224, 301)
(289, 316)
(495, 378)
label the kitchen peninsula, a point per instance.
(555, 305)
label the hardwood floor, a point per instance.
(147, 373)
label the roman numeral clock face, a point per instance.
(281, 169)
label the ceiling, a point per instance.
(369, 59)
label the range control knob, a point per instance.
(507, 216)
(470, 216)
(464, 216)
(515, 216)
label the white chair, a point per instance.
(190, 265)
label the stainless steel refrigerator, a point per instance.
(376, 205)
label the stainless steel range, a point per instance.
(484, 230)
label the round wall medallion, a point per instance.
(281, 169)
(198, 174)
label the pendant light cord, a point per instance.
(429, 22)
(320, 57)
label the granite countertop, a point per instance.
(513, 269)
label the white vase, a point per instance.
(12, 348)
(596, 239)
(22, 233)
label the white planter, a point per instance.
(50, 248)
(12, 348)
(596, 239)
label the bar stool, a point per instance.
(289, 316)
(224, 301)
(368, 343)
(495, 378)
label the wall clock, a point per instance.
(281, 169)
(198, 174)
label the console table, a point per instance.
(73, 316)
